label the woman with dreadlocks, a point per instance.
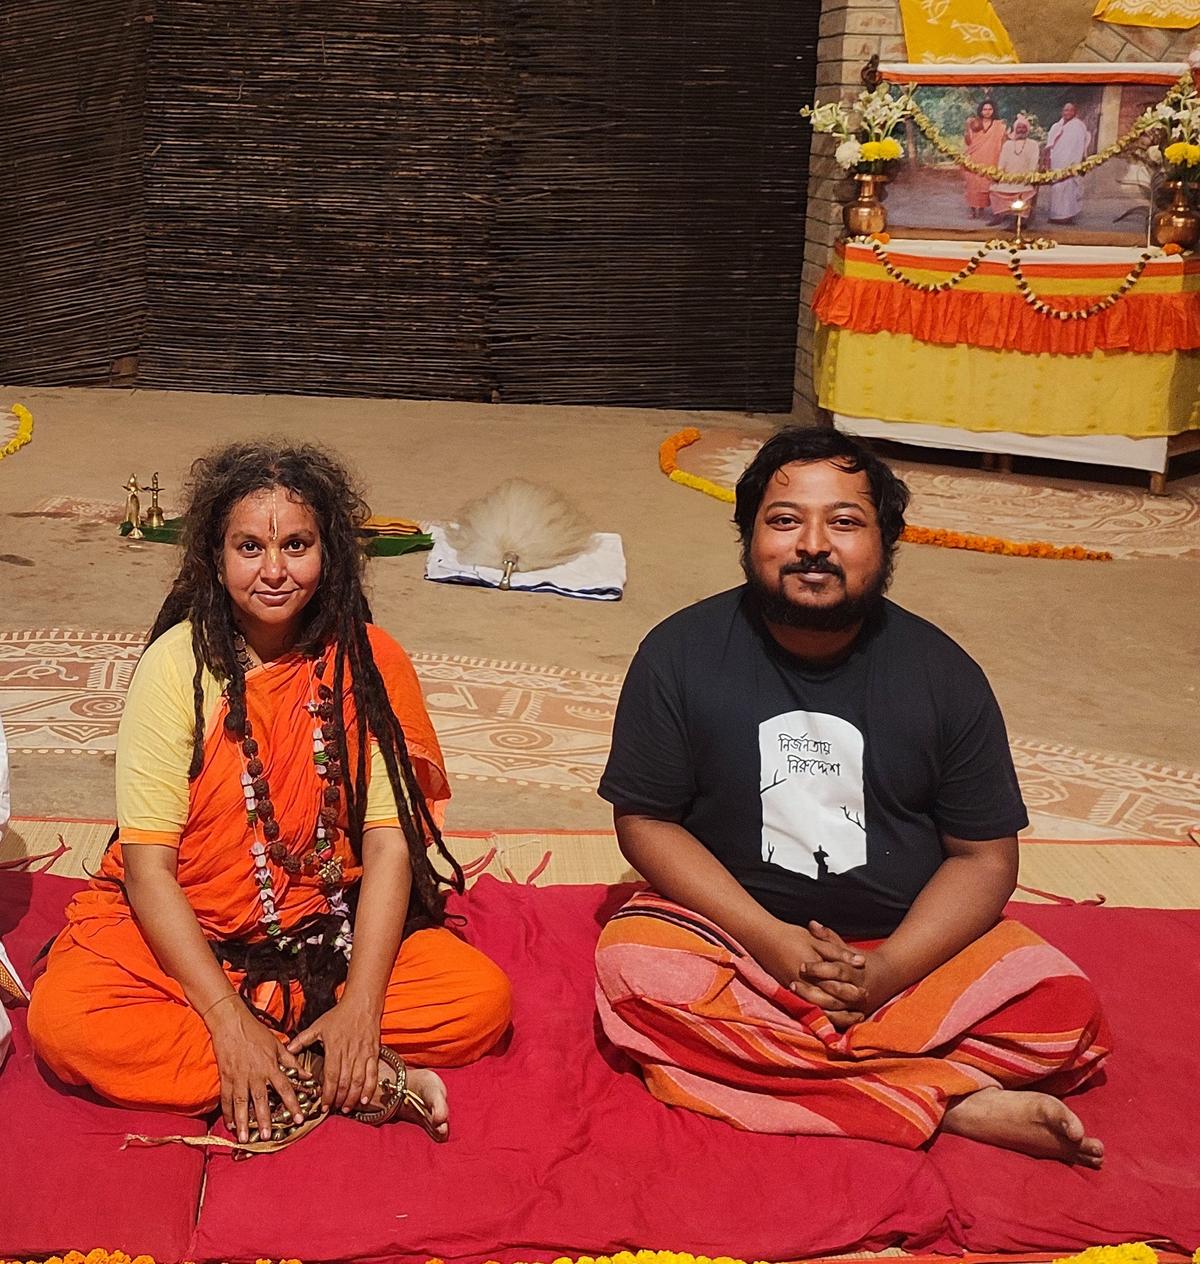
(270, 893)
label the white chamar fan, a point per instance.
(519, 526)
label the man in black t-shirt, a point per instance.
(799, 763)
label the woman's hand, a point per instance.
(350, 1035)
(250, 1058)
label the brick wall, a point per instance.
(851, 32)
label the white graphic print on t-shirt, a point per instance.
(811, 778)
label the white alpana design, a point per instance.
(1124, 521)
(62, 692)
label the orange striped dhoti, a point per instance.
(713, 1032)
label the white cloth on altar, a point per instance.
(5, 964)
(11, 990)
(1066, 144)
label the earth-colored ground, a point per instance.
(1099, 656)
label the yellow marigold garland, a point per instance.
(24, 430)
(669, 450)
(101, 1256)
(98, 1256)
(1127, 1253)
(931, 132)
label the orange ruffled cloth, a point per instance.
(1000, 320)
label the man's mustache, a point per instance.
(812, 563)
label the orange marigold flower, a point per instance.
(1172, 248)
(669, 448)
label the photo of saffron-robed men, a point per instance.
(1018, 156)
(1067, 143)
(980, 146)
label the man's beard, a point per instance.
(776, 607)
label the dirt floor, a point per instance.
(1088, 655)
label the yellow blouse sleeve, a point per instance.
(381, 801)
(154, 741)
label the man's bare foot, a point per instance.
(1034, 1123)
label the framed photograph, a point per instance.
(1021, 119)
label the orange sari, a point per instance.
(982, 145)
(106, 1014)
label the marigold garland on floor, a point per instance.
(101, 1256)
(669, 450)
(24, 430)
(1127, 1253)
(1007, 548)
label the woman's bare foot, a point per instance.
(430, 1088)
(1034, 1123)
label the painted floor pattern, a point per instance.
(1125, 521)
(62, 693)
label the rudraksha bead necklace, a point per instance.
(268, 847)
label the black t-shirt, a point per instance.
(825, 792)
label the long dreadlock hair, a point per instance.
(337, 614)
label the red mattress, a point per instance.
(556, 1148)
(65, 1182)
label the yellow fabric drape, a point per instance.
(896, 378)
(1173, 15)
(956, 31)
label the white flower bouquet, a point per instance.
(866, 130)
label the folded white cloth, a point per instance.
(5, 802)
(597, 574)
(11, 989)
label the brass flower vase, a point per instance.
(1180, 222)
(865, 215)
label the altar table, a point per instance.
(975, 368)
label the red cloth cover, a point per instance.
(1145, 964)
(65, 1182)
(556, 1148)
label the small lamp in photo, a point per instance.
(1020, 208)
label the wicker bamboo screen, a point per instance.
(650, 223)
(527, 200)
(321, 192)
(72, 232)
